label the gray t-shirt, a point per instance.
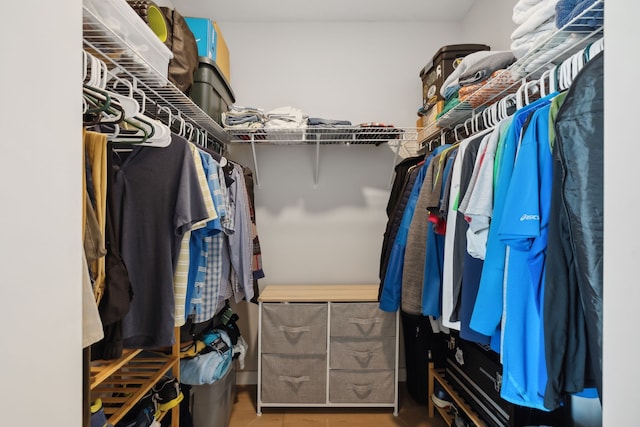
(156, 199)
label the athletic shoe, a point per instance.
(440, 397)
(98, 418)
(167, 393)
(143, 414)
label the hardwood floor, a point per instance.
(411, 414)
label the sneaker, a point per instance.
(167, 393)
(440, 397)
(143, 414)
(98, 418)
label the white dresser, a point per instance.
(326, 346)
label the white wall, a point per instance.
(489, 22)
(40, 189)
(621, 293)
(361, 71)
(355, 71)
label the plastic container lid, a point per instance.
(209, 72)
(453, 48)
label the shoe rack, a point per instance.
(122, 382)
(446, 413)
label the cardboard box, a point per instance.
(222, 53)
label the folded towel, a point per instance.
(549, 56)
(536, 18)
(239, 109)
(451, 103)
(468, 61)
(482, 69)
(531, 10)
(523, 45)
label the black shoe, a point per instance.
(167, 393)
(143, 414)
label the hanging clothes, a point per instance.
(574, 281)
(524, 230)
(392, 289)
(157, 198)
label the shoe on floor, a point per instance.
(98, 418)
(440, 397)
(167, 393)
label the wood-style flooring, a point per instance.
(411, 414)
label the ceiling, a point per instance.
(325, 10)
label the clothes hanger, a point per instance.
(159, 134)
(128, 102)
(455, 131)
(486, 117)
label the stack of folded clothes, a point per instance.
(329, 129)
(243, 117)
(589, 18)
(536, 22)
(473, 72)
(286, 118)
(328, 123)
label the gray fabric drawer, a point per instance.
(294, 378)
(361, 386)
(361, 320)
(362, 353)
(294, 328)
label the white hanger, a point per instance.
(189, 136)
(455, 131)
(128, 102)
(520, 95)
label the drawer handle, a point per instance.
(294, 381)
(294, 329)
(362, 357)
(368, 321)
(362, 391)
(365, 325)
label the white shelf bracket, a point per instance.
(393, 165)
(255, 161)
(317, 170)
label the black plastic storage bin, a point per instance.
(210, 90)
(442, 64)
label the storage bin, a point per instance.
(210, 90)
(202, 29)
(294, 328)
(212, 403)
(126, 24)
(211, 43)
(362, 353)
(361, 320)
(442, 64)
(361, 386)
(294, 378)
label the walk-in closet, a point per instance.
(272, 213)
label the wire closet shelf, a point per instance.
(311, 135)
(577, 34)
(122, 59)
